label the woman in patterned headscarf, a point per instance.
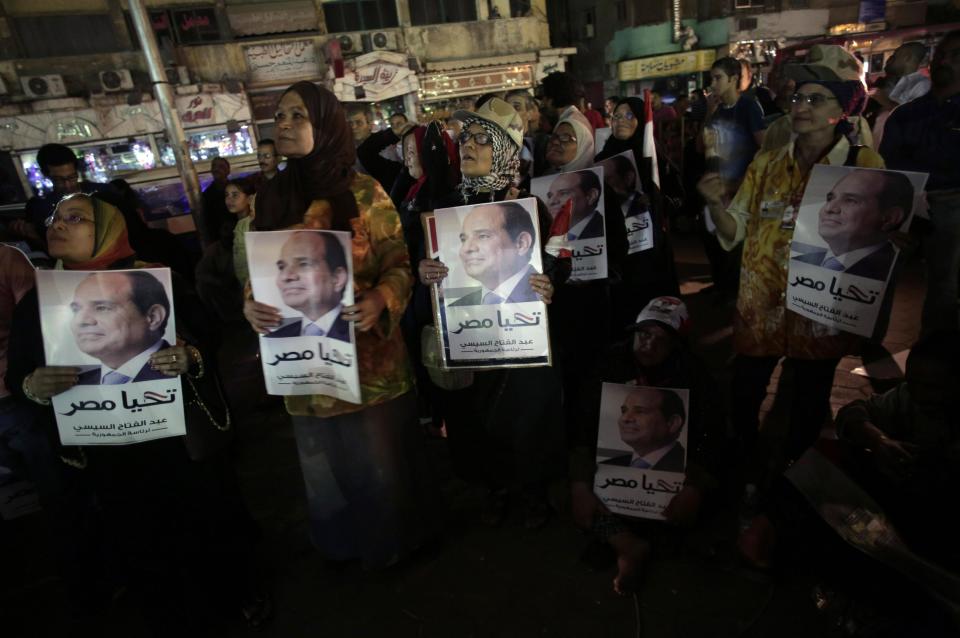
(180, 497)
(363, 464)
(505, 430)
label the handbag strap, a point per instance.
(203, 406)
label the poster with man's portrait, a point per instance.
(308, 276)
(621, 175)
(488, 313)
(109, 324)
(641, 448)
(843, 251)
(575, 202)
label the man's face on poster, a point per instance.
(566, 188)
(642, 423)
(487, 252)
(623, 180)
(304, 278)
(107, 325)
(854, 217)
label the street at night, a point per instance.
(479, 318)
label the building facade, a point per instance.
(72, 72)
(627, 45)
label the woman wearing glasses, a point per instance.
(570, 146)
(650, 272)
(506, 430)
(761, 217)
(192, 532)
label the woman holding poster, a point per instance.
(162, 509)
(506, 429)
(648, 269)
(583, 336)
(763, 217)
(363, 465)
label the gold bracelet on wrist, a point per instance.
(197, 359)
(25, 386)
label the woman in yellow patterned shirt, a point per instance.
(829, 92)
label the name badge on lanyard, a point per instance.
(771, 209)
(788, 221)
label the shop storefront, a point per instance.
(129, 142)
(681, 72)
(451, 84)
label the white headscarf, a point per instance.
(584, 132)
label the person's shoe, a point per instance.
(494, 509)
(258, 610)
(756, 543)
(598, 556)
(536, 514)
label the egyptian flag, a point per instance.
(649, 146)
(557, 244)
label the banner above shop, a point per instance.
(666, 65)
(282, 61)
(454, 84)
(376, 76)
(273, 17)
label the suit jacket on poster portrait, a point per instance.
(521, 293)
(339, 330)
(672, 461)
(594, 227)
(146, 373)
(875, 265)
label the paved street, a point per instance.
(481, 582)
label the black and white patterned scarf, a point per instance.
(505, 169)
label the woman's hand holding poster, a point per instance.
(488, 312)
(117, 320)
(575, 202)
(842, 254)
(641, 448)
(308, 276)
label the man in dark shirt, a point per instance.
(374, 153)
(215, 211)
(733, 134)
(61, 166)
(924, 135)
(737, 123)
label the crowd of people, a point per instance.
(515, 431)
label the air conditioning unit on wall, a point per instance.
(43, 86)
(350, 44)
(381, 41)
(116, 80)
(177, 75)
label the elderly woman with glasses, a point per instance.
(506, 429)
(829, 93)
(651, 272)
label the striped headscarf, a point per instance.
(505, 169)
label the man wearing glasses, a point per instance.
(61, 166)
